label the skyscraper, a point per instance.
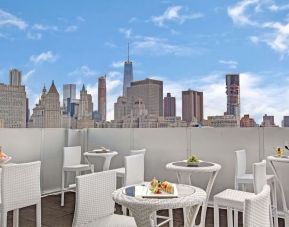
(47, 112)
(102, 97)
(13, 102)
(69, 94)
(151, 93)
(192, 106)
(268, 121)
(285, 122)
(121, 108)
(169, 106)
(233, 95)
(84, 119)
(246, 121)
(127, 74)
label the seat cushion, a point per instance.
(120, 172)
(80, 167)
(113, 220)
(232, 198)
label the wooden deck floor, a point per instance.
(53, 215)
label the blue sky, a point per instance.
(188, 44)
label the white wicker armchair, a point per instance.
(20, 187)
(94, 205)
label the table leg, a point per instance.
(106, 163)
(143, 217)
(184, 178)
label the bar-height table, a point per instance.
(184, 173)
(106, 155)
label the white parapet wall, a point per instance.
(163, 145)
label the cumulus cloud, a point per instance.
(71, 28)
(83, 71)
(230, 63)
(10, 20)
(117, 64)
(126, 31)
(41, 27)
(34, 36)
(48, 56)
(174, 13)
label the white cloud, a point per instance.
(27, 75)
(158, 46)
(118, 64)
(83, 71)
(34, 36)
(42, 27)
(8, 19)
(126, 31)
(230, 63)
(71, 28)
(48, 56)
(173, 13)
(238, 12)
(80, 19)
(276, 8)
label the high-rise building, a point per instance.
(47, 113)
(246, 121)
(84, 119)
(27, 112)
(192, 106)
(151, 93)
(13, 101)
(169, 106)
(127, 74)
(69, 92)
(233, 95)
(268, 121)
(102, 97)
(15, 77)
(285, 122)
(121, 108)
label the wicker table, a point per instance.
(184, 177)
(190, 198)
(272, 160)
(107, 156)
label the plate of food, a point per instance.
(193, 161)
(161, 189)
(4, 158)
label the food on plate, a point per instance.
(193, 160)
(157, 187)
(279, 151)
(3, 155)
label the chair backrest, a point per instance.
(240, 162)
(71, 156)
(94, 197)
(259, 172)
(20, 185)
(139, 151)
(134, 169)
(257, 210)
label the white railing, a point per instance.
(163, 145)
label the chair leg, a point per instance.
(274, 203)
(4, 219)
(236, 213)
(171, 222)
(16, 218)
(155, 219)
(124, 210)
(62, 188)
(216, 215)
(229, 217)
(38, 214)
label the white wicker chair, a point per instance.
(20, 187)
(234, 199)
(94, 205)
(257, 210)
(72, 163)
(242, 178)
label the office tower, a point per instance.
(121, 108)
(233, 95)
(127, 74)
(102, 97)
(15, 77)
(192, 106)
(268, 121)
(47, 113)
(285, 121)
(169, 106)
(69, 92)
(84, 119)
(150, 91)
(85, 105)
(27, 112)
(246, 121)
(13, 102)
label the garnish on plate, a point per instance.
(157, 187)
(193, 160)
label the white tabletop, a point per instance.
(181, 166)
(278, 159)
(190, 197)
(100, 154)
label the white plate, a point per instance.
(4, 161)
(162, 195)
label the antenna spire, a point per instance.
(128, 52)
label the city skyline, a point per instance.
(66, 46)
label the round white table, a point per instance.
(184, 177)
(106, 155)
(189, 197)
(284, 159)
